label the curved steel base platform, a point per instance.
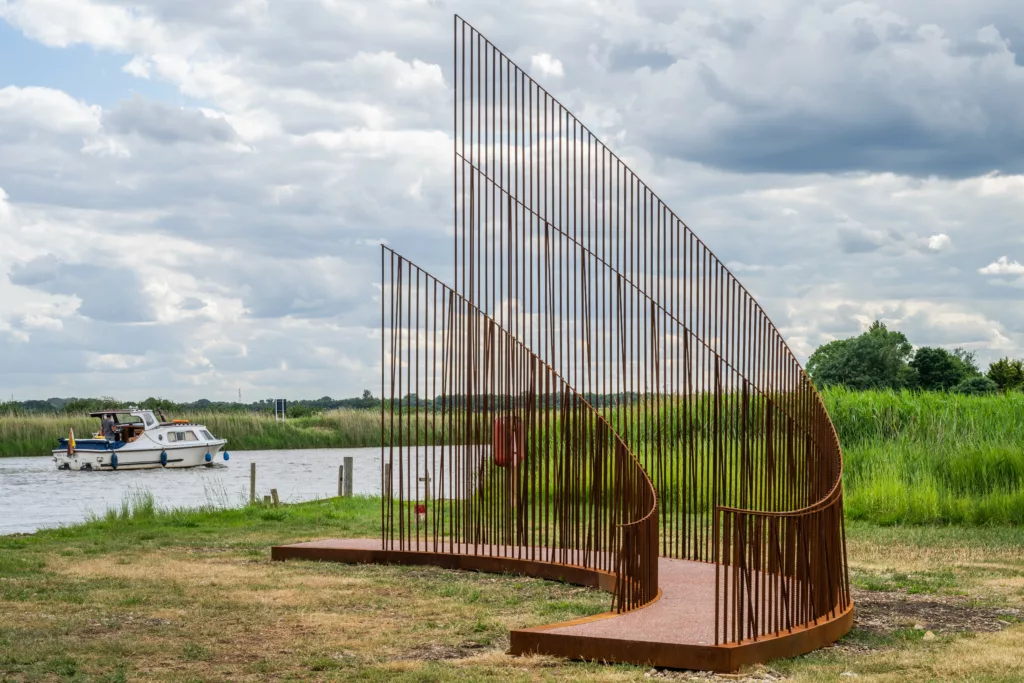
(674, 631)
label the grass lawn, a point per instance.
(192, 596)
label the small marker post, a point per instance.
(348, 477)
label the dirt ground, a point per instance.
(884, 613)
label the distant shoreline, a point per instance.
(31, 435)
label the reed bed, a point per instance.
(911, 458)
(32, 435)
(916, 458)
(22, 435)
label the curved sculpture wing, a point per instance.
(597, 389)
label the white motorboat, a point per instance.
(141, 441)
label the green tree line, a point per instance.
(84, 406)
(885, 359)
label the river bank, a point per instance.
(36, 495)
(141, 594)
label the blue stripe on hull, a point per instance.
(92, 445)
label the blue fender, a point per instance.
(226, 456)
(163, 458)
(209, 457)
(113, 461)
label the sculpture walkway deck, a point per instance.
(676, 630)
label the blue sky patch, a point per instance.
(80, 71)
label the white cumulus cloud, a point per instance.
(1003, 266)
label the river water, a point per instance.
(34, 495)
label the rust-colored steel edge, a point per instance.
(721, 658)
(563, 573)
(567, 573)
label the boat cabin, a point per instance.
(128, 424)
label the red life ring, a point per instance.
(508, 443)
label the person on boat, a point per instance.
(107, 428)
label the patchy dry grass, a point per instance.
(983, 565)
(227, 616)
(193, 596)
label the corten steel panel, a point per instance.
(644, 648)
(357, 551)
(596, 389)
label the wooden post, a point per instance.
(273, 495)
(267, 500)
(252, 482)
(348, 477)
(341, 480)
(385, 489)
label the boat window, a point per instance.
(208, 436)
(150, 420)
(182, 436)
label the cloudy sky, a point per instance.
(192, 194)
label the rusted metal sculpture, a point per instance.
(597, 390)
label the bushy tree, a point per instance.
(940, 370)
(1007, 374)
(977, 385)
(876, 359)
(969, 361)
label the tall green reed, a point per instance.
(917, 458)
